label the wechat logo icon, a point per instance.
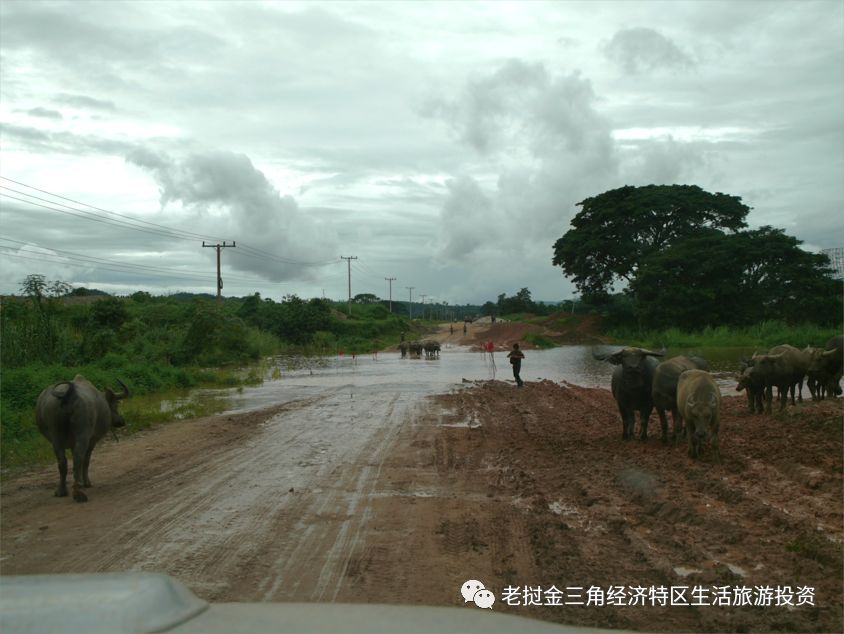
(473, 590)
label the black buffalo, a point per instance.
(75, 415)
(632, 382)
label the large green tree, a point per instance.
(616, 231)
(739, 279)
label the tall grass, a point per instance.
(22, 444)
(763, 335)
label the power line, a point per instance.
(125, 266)
(150, 227)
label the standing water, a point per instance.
(387, 372)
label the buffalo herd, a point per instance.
(682, 385)
(415, 349)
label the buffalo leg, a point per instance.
(690, 432)
(628, 421)
(678, 425)
(663, 421)
(769, 397)
(80, 449)
(644, 418)
(86, 481)
(61, 460)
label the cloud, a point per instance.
(544, 146)
(84, 102)
(31, 259)
(467, 218)
(229, 197)
(38, 140)
(45, 113)
(663, 161)
(640, 50)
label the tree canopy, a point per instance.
(738, 279)
(616, 231)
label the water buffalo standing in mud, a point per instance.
(632, 382)
(699, 404)
(415, 348)
(783, 367)
(825, 368)
(403, 346)
(751, 380)
(664, 390)
(75, 415)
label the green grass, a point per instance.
(21, 444)
(540, 341)
(764, 335)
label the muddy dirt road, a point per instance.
(390, 495)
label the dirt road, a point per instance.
(400, 498)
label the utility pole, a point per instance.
(410, 288)
(423, 305)
(219, 279)
(391, 280)
(349, 259)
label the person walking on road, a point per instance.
(516, 357)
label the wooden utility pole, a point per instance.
(349, 259)
(423, 305)
(391, 280)
(410, 288)
(219, 279)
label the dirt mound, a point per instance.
(559, 329)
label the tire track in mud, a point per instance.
(274, 514)
(598, 511)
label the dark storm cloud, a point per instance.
(639, 50)
(230, 197)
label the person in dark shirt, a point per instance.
(516, 357)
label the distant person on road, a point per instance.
(464, 327)
(452, 329)
(516, 357)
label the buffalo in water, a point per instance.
(75, 415)
(431, 348)
(632, 382)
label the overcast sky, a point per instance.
(444, 144)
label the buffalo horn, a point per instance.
(125, 393)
